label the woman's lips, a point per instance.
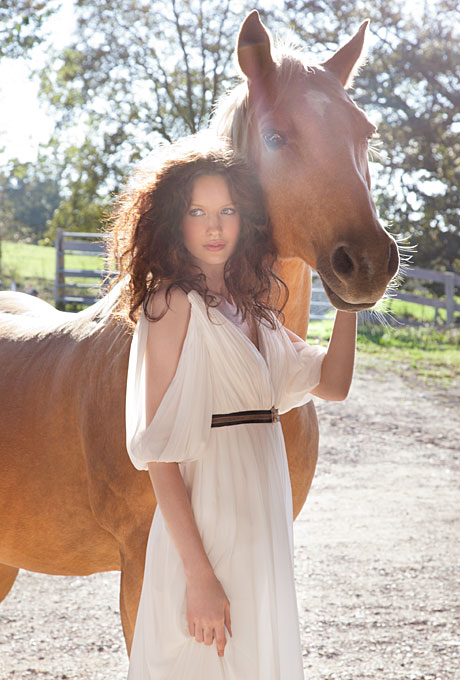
(216, 245)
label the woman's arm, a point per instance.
(208, 608)
(338, 363)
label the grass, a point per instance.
(32, 265)
(20, 259)
(426, 351)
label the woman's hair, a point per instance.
(146, 242)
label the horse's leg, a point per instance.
(7, 577)
(300, 426)
(132, 555)
(300, 429)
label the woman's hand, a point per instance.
(208, 611)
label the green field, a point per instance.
(21, 260)
(31, 265)
(427, 351)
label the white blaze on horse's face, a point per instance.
(309, 142)
(318, 101)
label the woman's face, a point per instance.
(211, 225)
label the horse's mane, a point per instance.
(232, 116)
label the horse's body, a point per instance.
(70, 500)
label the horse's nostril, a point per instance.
(393, 261)
(342, 262)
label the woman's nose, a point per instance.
(214, 222)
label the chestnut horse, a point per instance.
(70, 500)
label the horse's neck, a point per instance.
(297, 276)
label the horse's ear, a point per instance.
(346, 61)
(253, 49)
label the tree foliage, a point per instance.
(142, 71)
(29, 196)
(22, 25)
(136, 74)
(85, 196)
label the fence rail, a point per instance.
(78, 243)
(93, 244)
(450, 280)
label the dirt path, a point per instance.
(377, 555)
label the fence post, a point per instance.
(59, 278)
(449, 288)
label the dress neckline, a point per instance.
(238, 329)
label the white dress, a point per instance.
(238, 482)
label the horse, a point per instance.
(70, 500)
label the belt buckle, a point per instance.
(275, 415)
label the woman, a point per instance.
(211, 367)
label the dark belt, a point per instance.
(239, 417)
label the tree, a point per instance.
(411, 86)
(136, 74)
(29, 195)
(85, 194)
(140, 72)
(22, 25)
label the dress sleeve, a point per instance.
(296, 370)
(180, 429)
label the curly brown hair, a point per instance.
(145, 237)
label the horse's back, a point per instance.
(13, 302)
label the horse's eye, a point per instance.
(274, 139)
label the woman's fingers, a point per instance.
(227, 620)
(208, 636)
(221, 640)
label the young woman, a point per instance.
(211, 367)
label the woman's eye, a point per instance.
(228, 211)
(195, 212)
(274, 140)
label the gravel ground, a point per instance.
(377, 555)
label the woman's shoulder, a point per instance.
(174, 303)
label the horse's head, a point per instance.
(309, 142)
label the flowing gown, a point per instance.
(238, 483)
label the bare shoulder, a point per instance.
(165, 340)
(176, 304)
(172, 327)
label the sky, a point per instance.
(24, 120)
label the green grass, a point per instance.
(414, 312)
(427, 351)
(26, 260)
(32, 265)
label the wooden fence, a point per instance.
(78, 243)
(450, 281)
